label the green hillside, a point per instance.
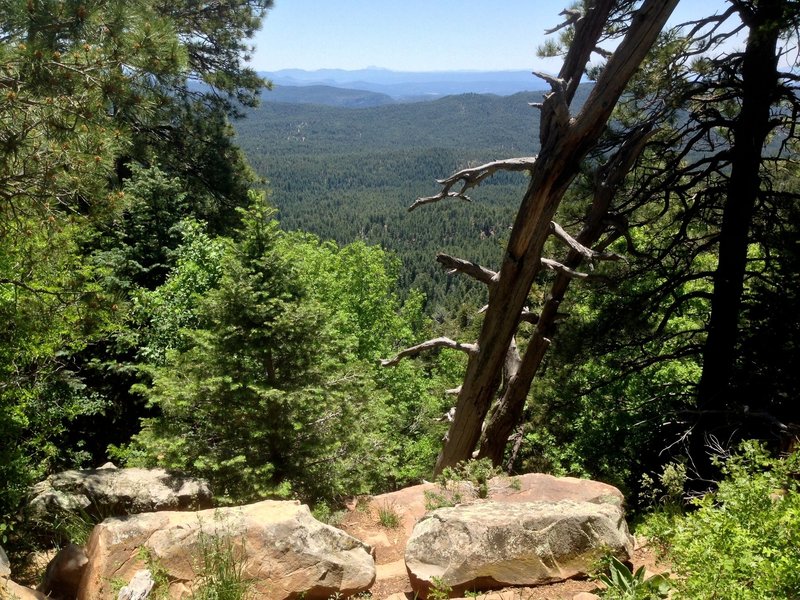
(349, 174)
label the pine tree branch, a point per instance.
(558, 267)
(588, 254)
(474, 270)
(472, 177)
(441, 342)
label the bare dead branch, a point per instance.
(440, 196)
(453, 391)
(474, 270)
(555, 83)
(558, 114)
(603, 52)
(472, 177)
(587, 253)
(570, 241)
(572, 15)
(554, 265)
(440, 342)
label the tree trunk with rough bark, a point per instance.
(759, 84)
(565, 141)
(508, 412)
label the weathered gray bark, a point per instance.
(565, 141)
(508, 412)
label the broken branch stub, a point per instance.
(474, 270)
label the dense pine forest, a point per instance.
(196, 279)
(351, 173)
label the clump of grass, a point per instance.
(474, 474)
(221, 571)
(388, 516)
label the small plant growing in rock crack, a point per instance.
(388, 516)
(160, 576)
(439, 589)
(622, 584)
(220, 566)
(453, 480)
(477, 472)
(434, 500)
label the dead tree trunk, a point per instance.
(565, 140)
(508, 412)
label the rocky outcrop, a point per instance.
(63, 574)
(5, 566)
(283, 551)
(412, 503)
(12, 591)
(112, 492)
(493, 544)
(139, 587)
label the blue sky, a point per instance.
(415, 35)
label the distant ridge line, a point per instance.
(411, 85)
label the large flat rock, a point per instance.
(410, 503)
(109, 492)
(493, 544)
(283, 550)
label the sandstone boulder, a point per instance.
(111, 492)
(283, 551)
(412, 503)
(12, 591)
(5, 566)
(492, 544)
(64, 572)
(139, 588)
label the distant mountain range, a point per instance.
(377, 87)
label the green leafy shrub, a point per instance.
(622, 584)
(439, 590)
(475, 473)
(743, 541)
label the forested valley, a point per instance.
(596, 280)
(351, 173)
